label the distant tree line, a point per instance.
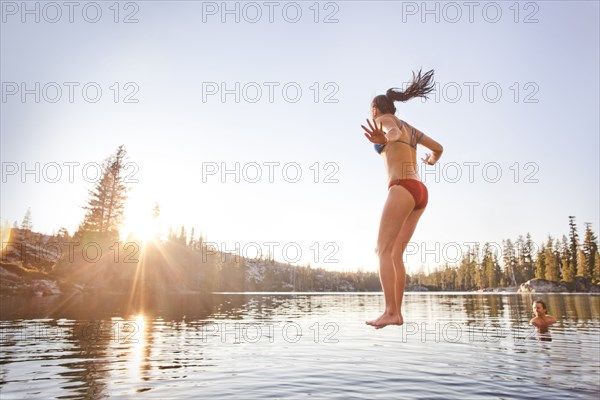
(555, 260)
(521, 260)
(232, 272)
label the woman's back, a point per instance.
(400, 155)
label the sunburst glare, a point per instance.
(136, 333)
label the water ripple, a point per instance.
(306, 345)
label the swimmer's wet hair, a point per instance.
(539, 301)
(420, 86)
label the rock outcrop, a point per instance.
(417, 288)
(583, 285)
(579, 285)
(542, 286)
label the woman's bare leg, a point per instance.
(397, 208)
(402, 240)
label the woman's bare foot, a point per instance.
(385, 320)
(374, 322)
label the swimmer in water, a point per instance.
(396, 141)
(541, 321)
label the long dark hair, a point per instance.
(420, 86)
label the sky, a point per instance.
(242, 119)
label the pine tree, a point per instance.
(182, 236)
(460, 276)
(573, 245)
(568, 267)
(528, 263)
(200, 242)
(63, 234)
(510, 261)
(171, 236)
(471, 271)
(596, 275)
(27, 223)
(490, 266)
(107, 200)
(590, 248)
(552, 266)
(540, 263)
(520, 269)
(191, 243)
(478, 268)
(582, 268)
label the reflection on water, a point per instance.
(295, 345)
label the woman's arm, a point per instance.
(385, 125)
(393, 133)
(391, 130)
(435, 147)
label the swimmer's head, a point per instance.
(420, 86)
(539, 308)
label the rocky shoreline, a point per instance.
(49, 287)
(16, 280)
(579, 285)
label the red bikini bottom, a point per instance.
(416, 188)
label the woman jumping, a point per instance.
(396, 141)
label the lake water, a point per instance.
(301, 345)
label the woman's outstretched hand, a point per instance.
(426, 159)
(375, 134)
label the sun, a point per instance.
(141, 230)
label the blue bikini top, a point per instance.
(413, 142)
